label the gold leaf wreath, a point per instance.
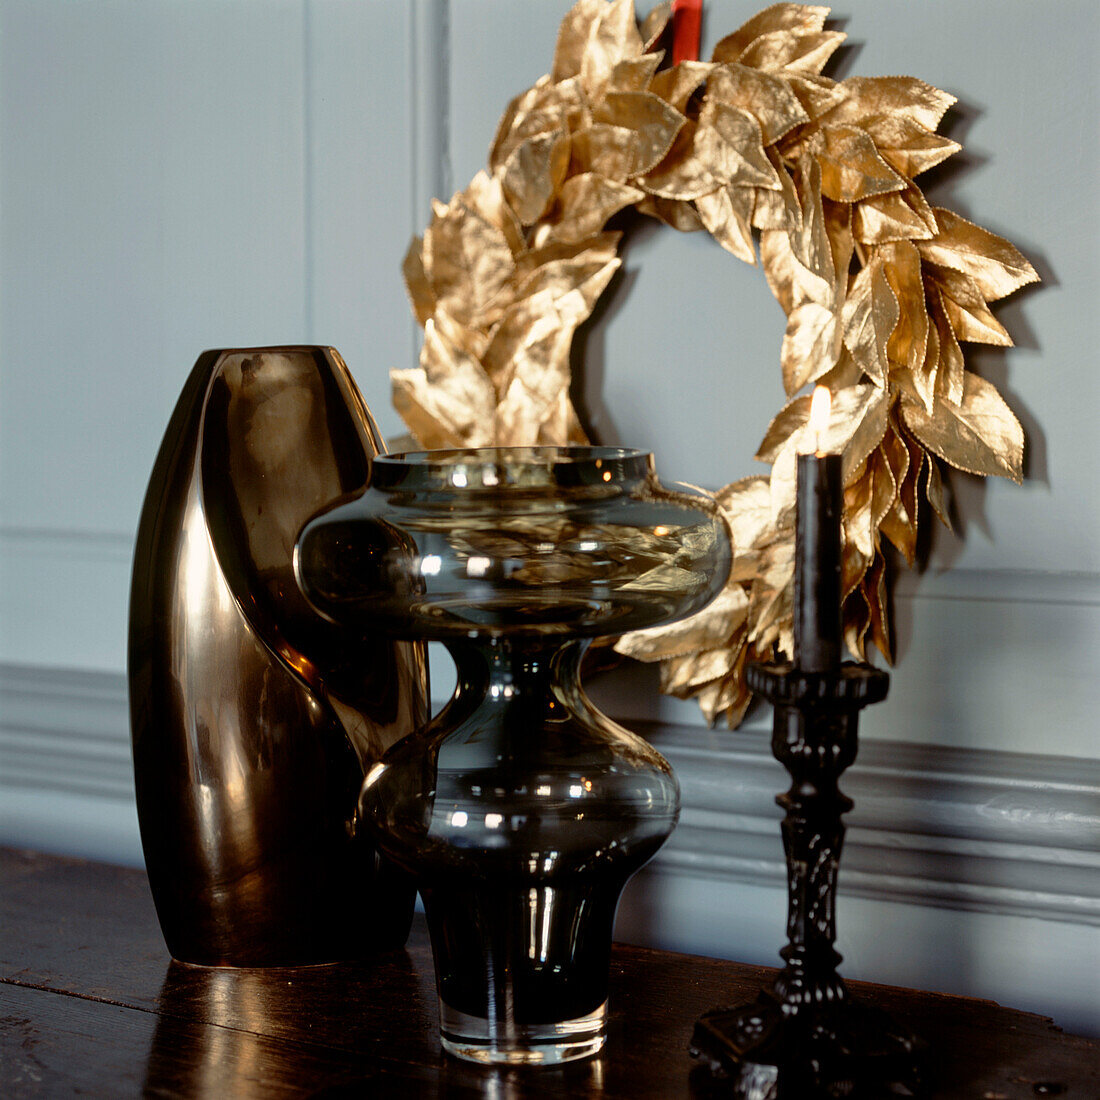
(879, 288)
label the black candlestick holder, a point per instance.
(805, 1038)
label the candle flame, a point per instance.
(820, 406)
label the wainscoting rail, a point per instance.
(997, 832)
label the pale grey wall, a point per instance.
(182, 174)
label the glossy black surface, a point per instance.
(805, 1038)
(817, 573)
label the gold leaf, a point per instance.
(576, 31)
(853, 567)
(899, 524)
(585, 203)
(534, 172)
(919, 460)
(851, 168)
(517, 105)
(772, 595)
(729, 144)
(846, 374)
(810, 237)
(485, 196)
(901, 531)
(858, 426)
(874, 591)
(708, 629)
(414, 399)
(980, 434)
(817, 94)
(777, 209)
(996, 267)
(856, 622)
(655, 23)
(811, 345)
(906, 145)
(562, 426)
(783, 483)
(966, 309)
(801, 53)
(909, 340)
(416, 282)
(450, 389)
(927, 381)
(538, 329)
(680, 674)
(726, 219)
(471, 341)
(653, 121)
(777, 259)
(677, 84)
(900, 216)
(681, 175)
(728, 695)
(602, 246)
(900, 96)
(610, 151)
(949, 379)
(858, 418)
(537, 378)
(613, 39)
(542, 109)
(869, 315)
(467, 261)
(838, 226)
(680, 215)
(884, 489)
(933, 491)
(634, 74)
(746, 505)
(769, 99)
(790, 419)
(859, 520)
(574, 284)
(792, 18)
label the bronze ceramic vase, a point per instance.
(254, 719)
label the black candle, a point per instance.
(817, 554)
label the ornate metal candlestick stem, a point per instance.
(804, 1038)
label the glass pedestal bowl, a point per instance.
(521, 810)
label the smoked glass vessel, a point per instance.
(520, 809)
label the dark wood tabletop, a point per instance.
(93, 1006)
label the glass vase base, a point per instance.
(506, 1043)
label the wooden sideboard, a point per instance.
(93, 1006)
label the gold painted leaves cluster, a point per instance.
(763, 152)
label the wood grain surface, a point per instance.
(91, 1005)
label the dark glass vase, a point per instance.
(521, 810)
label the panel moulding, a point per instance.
(990, 831)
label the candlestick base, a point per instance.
(804, 1039)
(766, 1052)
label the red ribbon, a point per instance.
(687, 22)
